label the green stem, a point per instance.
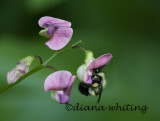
(41, 66)
(54, 55)
(62, 51)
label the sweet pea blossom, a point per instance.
(60, 84)
(84, 72)
(59, 31)
(21, 69)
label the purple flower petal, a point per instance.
(87, 77)
(55, 21)
(60, 38)
(62, 98)
(58, 80)
(100, 62)
(50, 31)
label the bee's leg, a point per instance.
(100, 92)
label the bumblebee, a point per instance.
(98, 82)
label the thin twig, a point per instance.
(84, 49)
(40, 59)
(51, 67)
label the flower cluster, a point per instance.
(60, 82)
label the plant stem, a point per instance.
(40, 59)
(62, 51)
(54, 69)
(39, 67)
(42, 65)
(54, 55)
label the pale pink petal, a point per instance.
(100, 62)
(13, 76)
(60, 38)
(56, 22)
(16, 73)
(57, 80)
(68, 89)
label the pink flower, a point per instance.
(84, 72)
(60, 84)
(59, 31)
(21, 69)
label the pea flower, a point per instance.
(21, 69)
(60, 84)
(84, 72)
(59, 31)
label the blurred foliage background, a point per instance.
(129, 29)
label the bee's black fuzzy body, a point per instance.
(84, 88)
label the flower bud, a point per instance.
(21, 69)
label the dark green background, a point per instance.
(128, 29)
